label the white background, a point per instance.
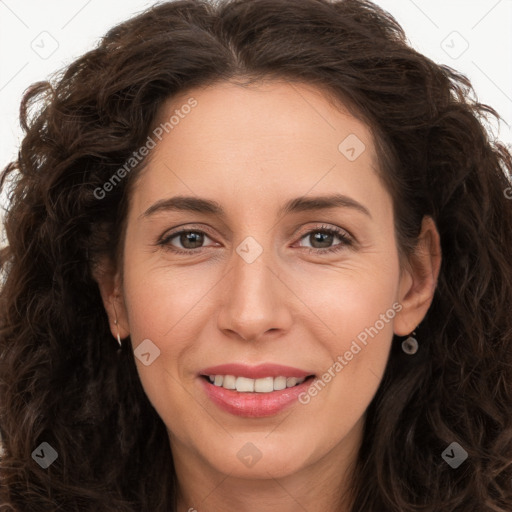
(39, 38)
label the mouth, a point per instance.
(254, 398)
(267, 384)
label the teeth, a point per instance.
(291, 381)
(263, 385)
(245, 385)
(279, 383)
(229, 382)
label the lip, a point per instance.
(253, 405)
(255, 372)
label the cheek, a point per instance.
(358, 310)
(364, 311)
(350, 303)
(161, 300)
(168, 307)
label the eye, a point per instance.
(190, 241)
(321, 238)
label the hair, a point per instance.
(61, 378)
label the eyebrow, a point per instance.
(299, 204)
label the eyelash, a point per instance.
(346, 240)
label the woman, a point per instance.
(258, 259)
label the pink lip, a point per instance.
(252, 405)
(255, 372)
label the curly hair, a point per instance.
(61, 378)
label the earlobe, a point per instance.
(419, 280)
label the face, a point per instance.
(253, 271)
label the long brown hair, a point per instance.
(61, 380)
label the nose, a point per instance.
(255, 300)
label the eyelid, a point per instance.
(185, 227)
(322, 226)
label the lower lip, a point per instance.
(254, 405)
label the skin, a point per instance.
(251, 149)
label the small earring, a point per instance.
(118, 337)
(115, 322)
(410, 345)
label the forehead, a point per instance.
(239, 142)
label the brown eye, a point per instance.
(321, 240)
(187, 240)
(191, 239)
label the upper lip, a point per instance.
(255, 372)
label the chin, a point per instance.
(259, 458)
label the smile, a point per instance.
(254, 404)
(263, 385)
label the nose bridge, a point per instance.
(254, 300)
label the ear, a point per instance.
(419, 279)
(109, 283)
